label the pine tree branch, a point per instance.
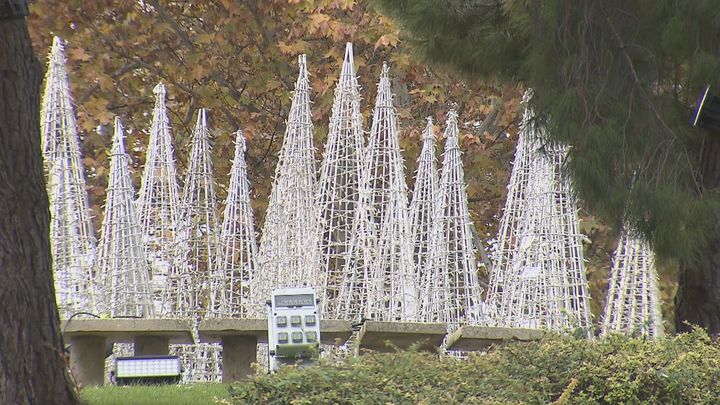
(646, 96)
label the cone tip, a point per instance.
(159, 89)
(451, 127)
(527, 95)
(348, 53)
(56, 55)
(240, 140)
(118, 134)
(201, 123)
(428, 134)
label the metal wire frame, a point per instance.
(633, 298)
(382, 250)
(546, 286)
(453, 288)
(72, 238)
(515, 205)
(230, 286)
(422, 212)
(338, 192)
(158, 202)
(187, 287)
(288, 252)
(122, 266)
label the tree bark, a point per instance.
(32, 362)
(697, 301)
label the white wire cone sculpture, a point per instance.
(515, 205)
(158, 202)
(122, 266)
(72, 240)
(230, 288)
(454, 288)
(422, 211)
(545, 285)
(382, 227)
(338, 186)
(187, 288)
(288, 253)
(633, 299)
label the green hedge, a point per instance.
(681, 370)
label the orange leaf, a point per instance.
(386, 40)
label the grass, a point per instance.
(191, 394)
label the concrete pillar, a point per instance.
(152, 345)
(238, 355)
(87, 360)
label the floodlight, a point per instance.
(707, 111)
(147, 370)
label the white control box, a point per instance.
(293, 326)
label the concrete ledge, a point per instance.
(213, 329)
(473, 337)
(375, 334)
(332, 331)
(126, 330)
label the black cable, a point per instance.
(66, 349)
(76, 314)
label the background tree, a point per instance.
(237, 58)
(32, 362)
(616, 80)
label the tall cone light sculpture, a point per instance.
(288, 252)
(158, 203)
(72, 238)
(338, 192)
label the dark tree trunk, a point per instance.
(32, 363)
(698, 297)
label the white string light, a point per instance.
(158, 202)
(515, 205)
(452, 285)
(288, 252)
(544, 284)
(72, 239)
(384, 229)
(633, 299)
(188, 286)
(338, 192)
(122, 266)
(230, 287)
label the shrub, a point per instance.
(562, 370)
